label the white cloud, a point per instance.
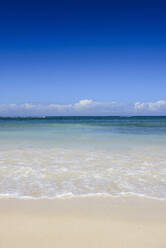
(84, 107)
(83, 103)
(157, 107)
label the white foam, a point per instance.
(52, 173)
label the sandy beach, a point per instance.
(83, 124)
(83, 222)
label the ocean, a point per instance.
(53, 157)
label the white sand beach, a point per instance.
(83, 222)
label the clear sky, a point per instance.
(61, 52)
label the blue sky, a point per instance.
(64, 52)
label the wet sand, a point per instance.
(94, 222)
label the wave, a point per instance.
(71, 196)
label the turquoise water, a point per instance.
(58, 156)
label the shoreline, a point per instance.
(124, 222)
(84, 196)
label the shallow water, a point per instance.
(77, 156)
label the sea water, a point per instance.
(52, 157)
